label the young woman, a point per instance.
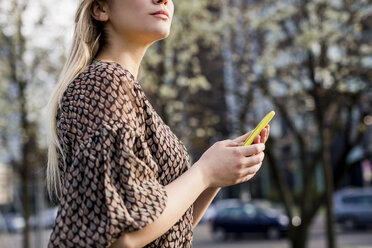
(122, 178)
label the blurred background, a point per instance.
(224, 66)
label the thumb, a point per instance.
(242, 138)
(230, 143)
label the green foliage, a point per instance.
(30, 58)
(173, 70)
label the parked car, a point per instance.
(44, 219)
(15, 223)
(353, 208)
(248, 218)
(3, 227)
(11, 222)
(212, 210)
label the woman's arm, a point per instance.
(181, 194)
(224, 164)
(201, 204)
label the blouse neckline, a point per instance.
(131, 76)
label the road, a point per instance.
(202, 239)
(354, 239)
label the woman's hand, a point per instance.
(227, 163)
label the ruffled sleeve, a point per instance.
(117, 190)
(110, 185)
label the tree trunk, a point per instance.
(279, 179)
(328, 179)
(26, 206)
(26, 163)
(299, 236)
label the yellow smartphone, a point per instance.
(259, 128)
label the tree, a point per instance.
(26, 67)
(176, 81)
(313, 63)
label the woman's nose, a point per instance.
(165, 2)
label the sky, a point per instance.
(59, 19)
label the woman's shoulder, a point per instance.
(102, 73)
(103, 93)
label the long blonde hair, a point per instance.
(87, 40)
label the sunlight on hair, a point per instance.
(85, 45)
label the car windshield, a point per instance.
(365, 200)
(250, 210)
(239, 212)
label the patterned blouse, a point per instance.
(119, 155)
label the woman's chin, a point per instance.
(159, 35)
(164, 35)
(151, 35)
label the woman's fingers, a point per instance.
(250, 150)
(253, 160)
(257, 139)
(248, 173)
(253, 165)
(252, 170)
(265, 134)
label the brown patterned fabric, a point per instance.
(119, 155)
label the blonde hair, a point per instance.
(87, 40)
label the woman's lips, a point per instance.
(161, 14)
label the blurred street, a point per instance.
(224, 66)
(203, 239)
(352, 239)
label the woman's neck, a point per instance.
(128, 56)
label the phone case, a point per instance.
(259, 128)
